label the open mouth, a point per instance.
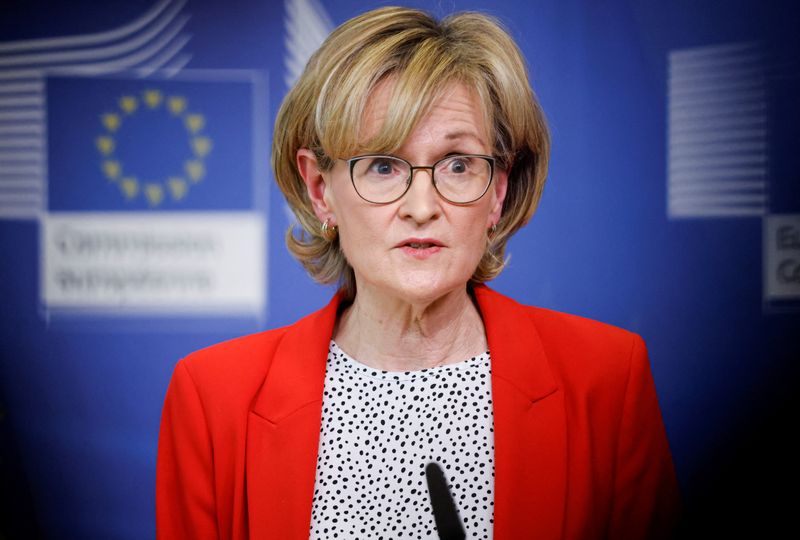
(420, 248)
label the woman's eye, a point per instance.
(382, 167)
(458, 165)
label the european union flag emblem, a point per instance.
(119, 144)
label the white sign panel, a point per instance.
(207, 262)
(782, 257)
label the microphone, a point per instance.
(444, 507)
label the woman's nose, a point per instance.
(421, 202)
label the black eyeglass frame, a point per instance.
(351, 162)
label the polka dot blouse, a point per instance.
(379, 431)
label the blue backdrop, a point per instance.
(81, 394)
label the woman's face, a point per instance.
(420, 247)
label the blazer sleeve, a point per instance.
(185, 499)
(646, 500)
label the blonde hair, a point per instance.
(324, 110)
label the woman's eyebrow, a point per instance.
(453, 135)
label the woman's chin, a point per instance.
(418, 289)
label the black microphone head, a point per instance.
(445, 513)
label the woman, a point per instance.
(411, 150)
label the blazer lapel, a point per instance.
(283, 430)
(529, 424)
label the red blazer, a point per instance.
(580, 447)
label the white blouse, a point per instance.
(379, 431)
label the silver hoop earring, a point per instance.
(329, 232)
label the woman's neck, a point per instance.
(390, 334)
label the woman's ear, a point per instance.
(316, 186)
(499, 190)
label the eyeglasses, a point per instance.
(458, 178)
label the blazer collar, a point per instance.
(514, 344)
(283, 431)
(297, 374)
(530, 425)
(530, 438)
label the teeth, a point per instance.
(417, 245)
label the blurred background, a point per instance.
(139, 222)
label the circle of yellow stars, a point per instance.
(175, 186)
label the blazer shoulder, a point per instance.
(231, 373)
(578, 349)
(586, 351)
(557, 323)
(554, 325)
(233, 369)
(247, 348)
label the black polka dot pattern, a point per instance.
(379, 431)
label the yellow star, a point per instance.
(105, 144)
(128, 104)
(129, 187)
(111, 121)
(176, 105)
(195, 169)
(195, 122)
(112, 169)
(177, 187)
(201, 146)
(153, 98)
(154, 194)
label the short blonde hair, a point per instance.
(324, 110)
